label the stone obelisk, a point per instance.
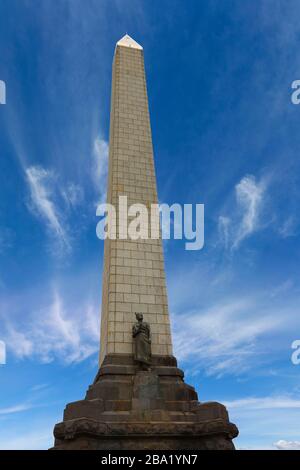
(134, 275)
(139, 399)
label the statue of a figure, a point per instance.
(142, 342)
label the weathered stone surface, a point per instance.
(144, 411)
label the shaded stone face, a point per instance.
(133, 275)
(127, 408)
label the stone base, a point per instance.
(130, 409)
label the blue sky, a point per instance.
(225, 134)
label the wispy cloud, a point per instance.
(41, 187)
(224, 227)
(72, 194)
(18, 342)
(249, 199)
(263, 403)
(15, 408)
(100, 167)
(54, 333)
(265, 419)
(39, 387)
(289, 227)
(39, 439)
(54, 201)
(224, 337)
(282, 288)
(246, 214)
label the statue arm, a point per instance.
(149, 332)
(135, 330)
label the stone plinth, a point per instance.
(129, 409)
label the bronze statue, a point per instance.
(142, 342)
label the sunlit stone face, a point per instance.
(133, 274)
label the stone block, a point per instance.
(126, 405)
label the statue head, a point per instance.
(139, 317)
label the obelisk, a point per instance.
(138, 400)
(134, 274)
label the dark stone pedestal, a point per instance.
(130, 409)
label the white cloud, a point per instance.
(263, 420)
(282, 288)
(223, 338)
(38, 387)
(223, 326)
(72, 194)
(15, 409)
(37, 440)
(246, 215)
(42, 198)
(54, 333)
(223, 227)
(100, 167)
(263, 403)
(2, 352)
(20, 345)
(287, 445)
(54, 201)
(288, 228)
(249, 195)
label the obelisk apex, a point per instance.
(127, 41)
(134, 274)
